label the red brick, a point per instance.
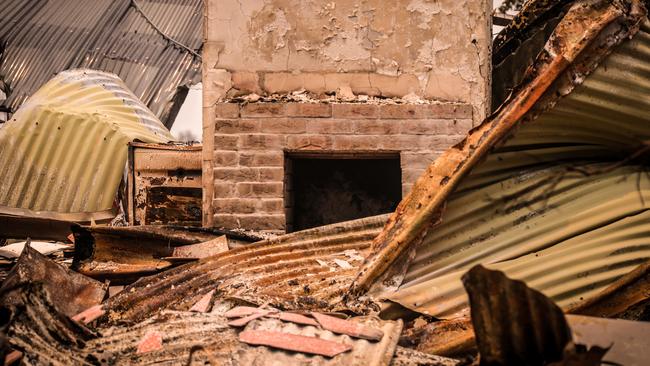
(360, 143)
(401, 111)
(249, 158)
(460, 126)
(376, 127)
(282, 125)
(309, 142)
(273, 205)
(262, 222)
(226, 142)
(406, 188)
(439, 142)
(417, 160)
(354, 110)
(235, 205)
(223, 189)
(263, 110)
(236, 126)
(237, 174)
(330, 126)
(225, 158)
(449, 111)
(411, 175)
(261, 141)
(431, 111)
(405, 143)
(227, 110)
(228, 221)
(271, 174)
(271, 190)
(314, 110)
(424, 126)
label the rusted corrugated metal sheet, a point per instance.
(516, 325)
(294, 271)
(63, 154)
(626, 298)
(12, 226)
(164, 184)
(151, 45)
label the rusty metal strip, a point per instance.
(628, 297)
(342, 326)
(292, 342)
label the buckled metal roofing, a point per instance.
(566, 231)
(63, 154)
(152, 45)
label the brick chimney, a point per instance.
(359, 87)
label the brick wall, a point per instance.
(250, 141)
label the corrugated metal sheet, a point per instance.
(294, 271)
(64, 152)
(43, 38)
(582, 231)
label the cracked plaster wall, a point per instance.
(435, 49)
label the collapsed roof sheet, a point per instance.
(151, 45)
(63, 153)
(310, 269)
(592, 216)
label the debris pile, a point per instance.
(525, 244)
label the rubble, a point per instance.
(525, 244)
(70, 291)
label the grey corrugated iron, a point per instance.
(63, 154)
(592, 223)
(151, 45)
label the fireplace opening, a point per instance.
(323, 189)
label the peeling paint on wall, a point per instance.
(438, 50)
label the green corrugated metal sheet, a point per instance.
(64, 152)
(527, 208)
